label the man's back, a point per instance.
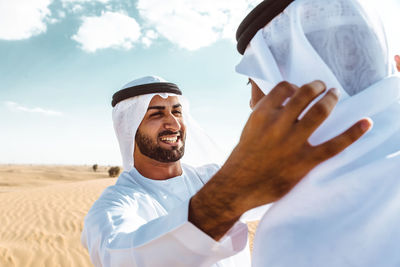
(345, 213)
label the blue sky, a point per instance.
(61, 61)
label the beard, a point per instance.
(151, 149)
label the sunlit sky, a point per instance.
(61, 61)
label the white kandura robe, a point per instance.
(346, 212)
(143, 222)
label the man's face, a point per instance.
(256, 94)
(161, 135)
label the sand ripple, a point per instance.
(42, 226)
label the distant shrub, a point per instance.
(95, 166)
(114, 171)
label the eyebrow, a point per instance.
(177, 106)
(163, 107)
(156, 107)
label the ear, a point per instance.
(397, 59)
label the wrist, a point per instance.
(216, 207)
(214, 219)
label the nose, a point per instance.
(172, 123)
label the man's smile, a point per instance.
(171, 139)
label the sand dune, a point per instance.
(42, 214)
(42, 210)
(17, 177)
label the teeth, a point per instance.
(169, 139)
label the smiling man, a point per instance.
(160, 138)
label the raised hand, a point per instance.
(273, 155)
(397, 59)
(274, 146)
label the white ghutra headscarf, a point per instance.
(129, 113)
(346, 212)
(319, 39)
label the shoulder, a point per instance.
(208, 169)
(113, 198)
(125, 193)
(205, 172)
(121, 207)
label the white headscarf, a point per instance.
(129, 113)
(319, 39)
(339, 42)
(346, 211)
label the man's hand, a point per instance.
(397, 59)
(273, 155)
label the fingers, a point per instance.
(268, 111)
(302, 98)
(397, 59)
(279, 94)
(342, 141)
(317, 114)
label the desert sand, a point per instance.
(42, 211)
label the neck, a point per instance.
(156, 170)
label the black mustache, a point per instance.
(167, 132)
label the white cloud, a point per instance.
(77, 8)
(23, 18)
(17, 107)
(61, 14)
(53, 20)
(194, 24)
(81, 6)
(65, 2)
(110, 30)
(78, 5)
(149, 37)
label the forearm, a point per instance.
(223, 200)
(211, 211)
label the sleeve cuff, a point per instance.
(231, 243)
